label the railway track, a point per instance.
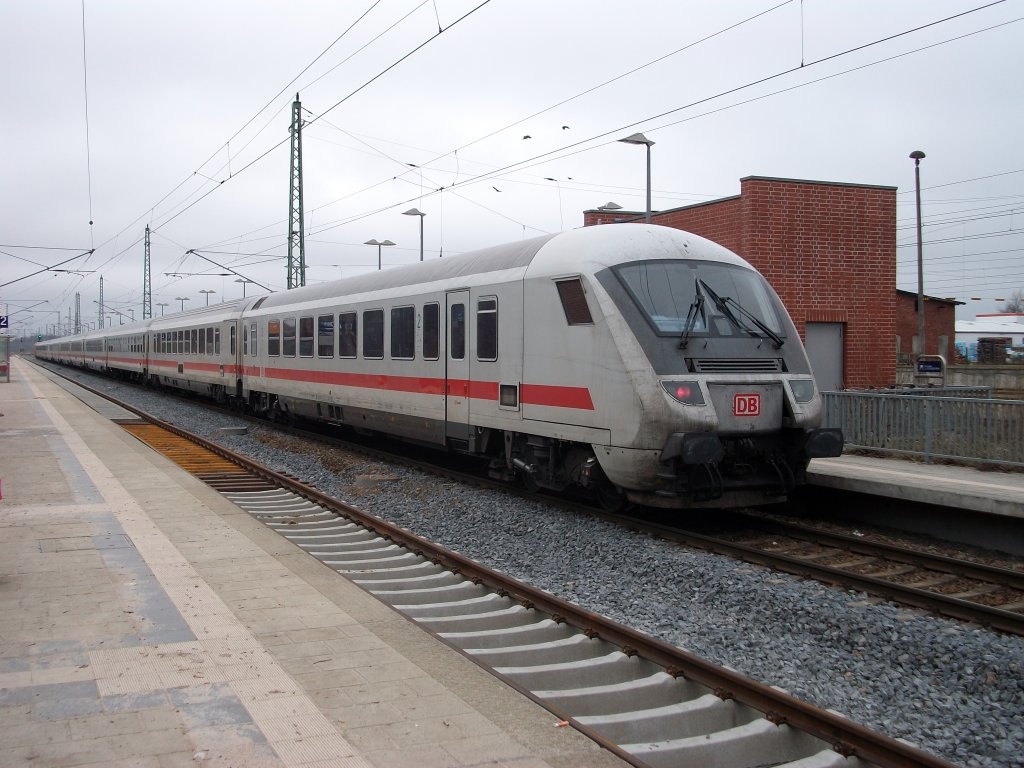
(960, 589)
(649, 702)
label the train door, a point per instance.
(456, 388)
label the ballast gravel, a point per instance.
(953, 689)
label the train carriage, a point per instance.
(639, 362)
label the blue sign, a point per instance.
(3, 321)
(931, 365)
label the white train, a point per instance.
(640, 362)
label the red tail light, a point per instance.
(685, 392)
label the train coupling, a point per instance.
(693, 448)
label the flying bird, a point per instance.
(527, 137)
(495, 188)
(565, 127)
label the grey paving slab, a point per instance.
(156, 622)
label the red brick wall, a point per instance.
(829, 250)
(939, 320)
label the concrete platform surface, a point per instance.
(146, 621)
(990, 492)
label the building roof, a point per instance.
(913, 295)
(990, 326)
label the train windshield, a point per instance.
(702, 298)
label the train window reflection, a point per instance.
(668, 291)
(487, 329)
(348, 332)
(403, 333)
(305, 337)
(373, 334)
(273, 337)
(325, 336)
(288, 337)
(458, 332)
(431, 331)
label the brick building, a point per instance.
(828, 249)
(939, 326)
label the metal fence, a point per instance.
(967, 429)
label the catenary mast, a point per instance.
(296, 237)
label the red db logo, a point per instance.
(746, 405)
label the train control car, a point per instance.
(636, 361)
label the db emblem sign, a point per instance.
(746, 405)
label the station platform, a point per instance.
(146, 621)
(990, 492)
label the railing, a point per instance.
(967, 429)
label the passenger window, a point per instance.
(431, 326)
(305, 337)
(231, 340)
(252, 339)
(193, 345)
(288, 337)
(202, 342)
(273, 338)
(348, 332)
(373, 333)
(216, 341)
(574, 302)
(457, 348)
(403, 333)
(325, 336)
(487, 329)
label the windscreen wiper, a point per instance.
(691, 317)
(723, 307)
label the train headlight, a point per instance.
(685, 392)
(803, 389)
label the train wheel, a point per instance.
(609, 496)
(528, 482)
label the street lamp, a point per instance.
(207, 296)
(243, 281)
(182, 300)
(161, 304)
(379, 244)
(917, 155)
(421, 214)
(639, 138)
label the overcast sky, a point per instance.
(176, 115)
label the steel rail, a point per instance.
(941, 563)
(846, 737)
(952, 607)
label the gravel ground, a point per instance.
(953, 689)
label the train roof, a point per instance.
(579, 251)
(584, 250)
(225, 310)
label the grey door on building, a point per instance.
(825, 350)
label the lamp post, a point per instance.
(244, 282)
(379, 244)
(421, 214)
(207, 296)
(639, 138)
(161, 304)
(182, 299)
(917, 155)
